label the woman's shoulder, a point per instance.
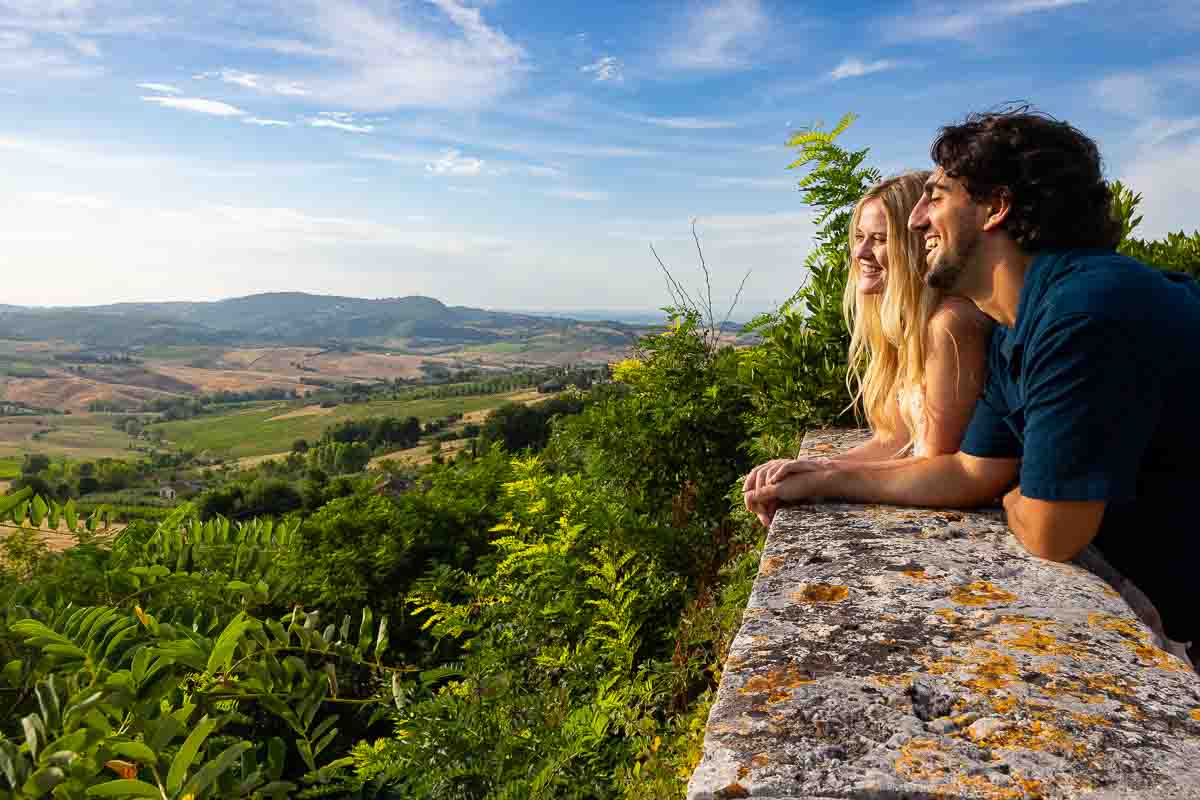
(957, 315)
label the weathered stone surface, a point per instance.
(904, 653)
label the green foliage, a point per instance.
(1179, 252)
(181, 678)
(796, 375)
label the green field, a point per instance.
(253, 432)
(10, 468)
(82, 437)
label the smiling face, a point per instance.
(870, 247)
(951, 224)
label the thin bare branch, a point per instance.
(736, 297)
(707, 278)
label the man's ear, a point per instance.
(998, 208)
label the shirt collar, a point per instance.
(1037, 281)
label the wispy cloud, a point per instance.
(197, 104)
(267, 123)
(576, 194)
(455, 164)
(58, 38)
(260, 83)
(684, 123)
(161, 88)
(719, 36)
(949, 21)
(374, 57)
(856, 68)
(605, 69)
(339, 120)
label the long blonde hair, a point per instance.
(889, 331)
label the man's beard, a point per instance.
(945, 274)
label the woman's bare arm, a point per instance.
(955, 371)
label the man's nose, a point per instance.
(919, 218)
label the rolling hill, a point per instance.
(296, 318)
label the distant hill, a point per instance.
(295, 318)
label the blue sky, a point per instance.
(517, 154)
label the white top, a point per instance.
(914, 398)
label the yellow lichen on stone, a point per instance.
(892, 681)
(980, 593)
(1122, 626)
(820, 593)
(1035, 639)
(775, 680)
(1037, 735)
(760, 760)
(948, 614)
(981, 787)
(1003, 704)
(1154, 657)
(771, 565)
(920, 760)
(916, 574)
(992, 670)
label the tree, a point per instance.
(35, 463)
(300, 446)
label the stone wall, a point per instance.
(904, 653)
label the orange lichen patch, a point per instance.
(948, 614)
(820, 593)
(775, 680)
(779, 695)
(1037, 735)
(892, 681)
(1125, 627)
(1111, 592)
(921, 760)
(1134, 711)
(760, 760)
(916, 574)
(771, 564)
(733, 790)
(991, 670)
(980, 593)
(1003, 704)
(1107, 683)
(1035, 639)
(1090, 719)
(1152, 656)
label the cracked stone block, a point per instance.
(911, 653)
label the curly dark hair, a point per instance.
(1050, 169)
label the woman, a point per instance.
(917, 358)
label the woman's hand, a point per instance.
(779, 470)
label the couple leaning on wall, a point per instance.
(1002, 348)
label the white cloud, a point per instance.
(339, 120)
(1130, 94)
(856, 68)
(542, 171)
(63, 43)
(684, 123)
(606, 69)
(197, 104)
(377, 57)
(259, 83)
(947, 21)
(161, 88)
(266, 123)
(1158, 130)
(1168, 176)
(455, 164)
(576, 194)
(720, 36)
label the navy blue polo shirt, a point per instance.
(1095, 390)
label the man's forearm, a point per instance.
(947, 481)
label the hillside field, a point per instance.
(270, 428)
(82, 437)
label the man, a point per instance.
(1093, 369)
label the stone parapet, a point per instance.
(903, 653)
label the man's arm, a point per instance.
(956, 480)
(1056, 530)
